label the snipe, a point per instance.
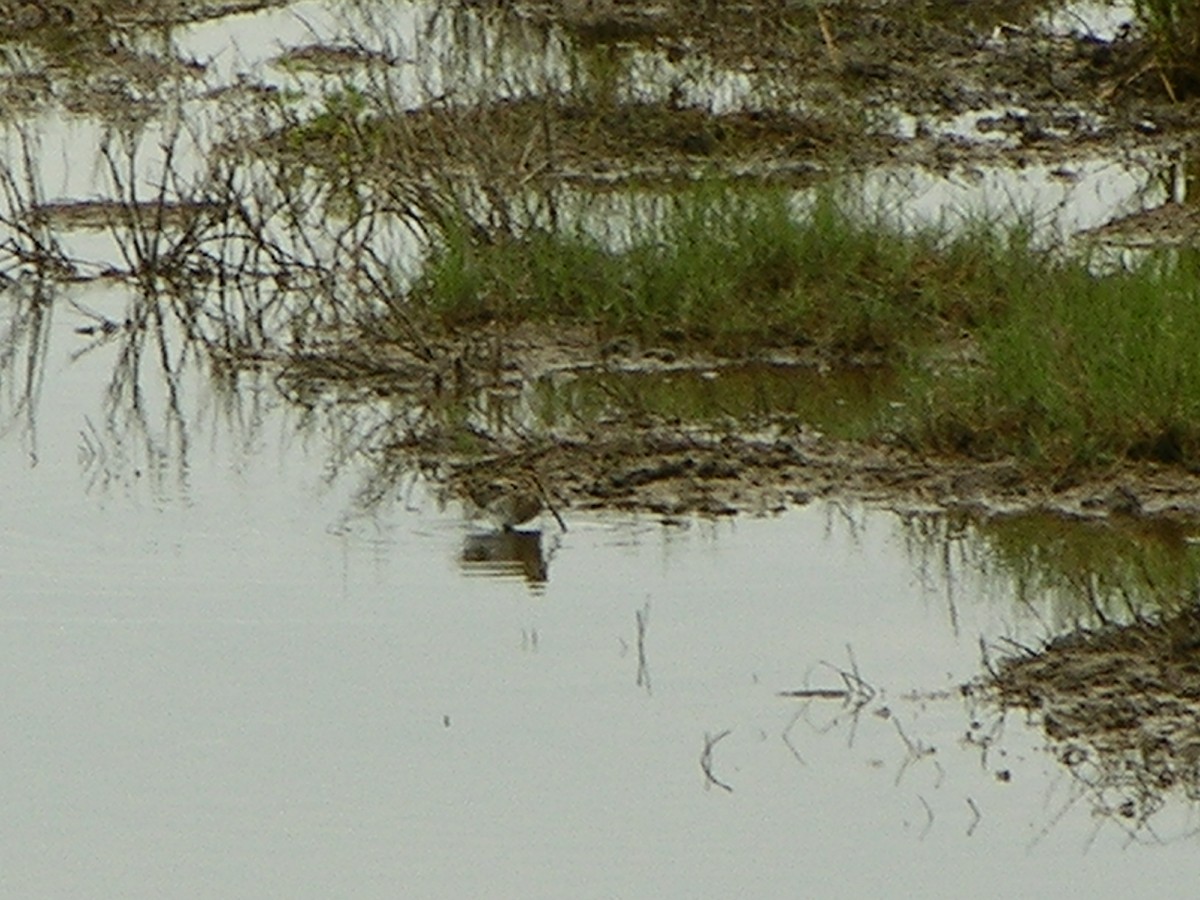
(509, 502)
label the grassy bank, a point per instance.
(732, 271)
(1079, 368)
(1051, 362)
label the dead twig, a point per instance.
(856, 694)
(548, 501)
(711, 741)
(986, 658)
(916, 751)
(1024, 649)
(928, 818)
(859, 692)
(835, 55)
(643, 672)
(1167, 84)
(978, 817)
(816, 694)
(787, 736)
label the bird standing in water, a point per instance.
(511, 500)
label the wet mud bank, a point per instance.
(599, 98)
(675, 436)
(1120, 708)
(673, 472)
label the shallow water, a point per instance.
(223, 680)
(225, 675)
(734, 396)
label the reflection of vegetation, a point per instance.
(144, 428)
(29, 245)
(1112, 570)
(24, 334)
(1073, 572)
(423, 199)
(196, 246)
(845, 403)
(1118, 693)
(167, 349)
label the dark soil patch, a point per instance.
(1121, 706)
(673, 471)
(564, 140)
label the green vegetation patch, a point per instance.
(1080, 368)
(997, 347)
(1071, 572)
(732, 270)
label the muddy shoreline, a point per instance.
(674, 472)
(639, 461)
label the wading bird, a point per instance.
(509, 502)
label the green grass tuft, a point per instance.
(729, 269)
(1082, 369)
(999, 347)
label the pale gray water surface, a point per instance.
(222, 678)
(222, 681)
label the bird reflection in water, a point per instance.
(506, 553)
